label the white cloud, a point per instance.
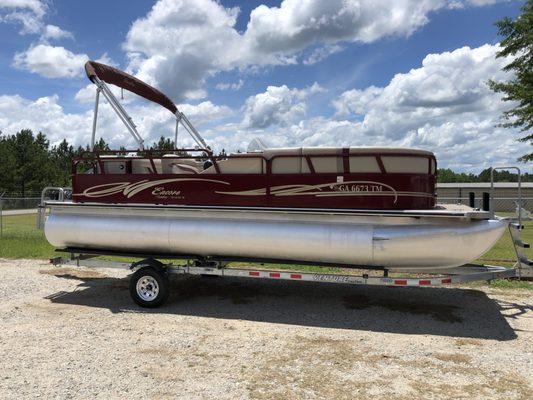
(295, 25)
(50, 61)
(40, 58)
(28, 13)
(43, 114)
(278, 105)
(46, 115)
(447, 85)
(321, 53)
(205, 112)
(55, 32)
(356, 101)
(105, 59)
(181, 43)
(444, 105)
(230, 86)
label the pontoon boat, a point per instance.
(351, 206)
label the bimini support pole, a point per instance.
(176, 133)
(180, 117)
(119, 110)
(95, 117)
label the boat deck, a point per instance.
(440, 210)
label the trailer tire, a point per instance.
(149, 287)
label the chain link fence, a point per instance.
(500, 204)
(19, 203)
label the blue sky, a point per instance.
(350, 72)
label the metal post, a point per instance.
(1, 215)
(95, 117)
(492, 169)
(176, 133)
(491, 198)
(472, 199)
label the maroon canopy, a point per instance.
(126, 81)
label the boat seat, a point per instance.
(144, 166)
(285, 164)
(245, 163)
(173, 165)
(112, 165)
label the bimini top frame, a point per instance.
(99, 74)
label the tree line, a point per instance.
(28, 164)
(446, 175)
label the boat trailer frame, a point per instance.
(465, 273)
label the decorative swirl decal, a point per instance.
(129, 189)
(349, 188)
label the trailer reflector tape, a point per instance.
(400, 281)
(274, 275)
(296, 276)
(447, 280)
(424, 282)
(254, 273)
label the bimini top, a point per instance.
(123, 80)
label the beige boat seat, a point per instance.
(173, 165)
(112, 165)
(144, 166)
(323, 164)
(285, 165)
(243, 163)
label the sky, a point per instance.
(401, 73)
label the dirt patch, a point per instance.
(468, 342)
(456, 358)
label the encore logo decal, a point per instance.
(129, 189)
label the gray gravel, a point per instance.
(75, 333)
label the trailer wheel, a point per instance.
(149, 287)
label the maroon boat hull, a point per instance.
(355, 191)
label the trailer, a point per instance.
(149, 281)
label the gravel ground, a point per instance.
(75, 333)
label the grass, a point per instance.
(21, 239)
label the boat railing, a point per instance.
(46, 194)
(97, 159)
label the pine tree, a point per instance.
(518, 43)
